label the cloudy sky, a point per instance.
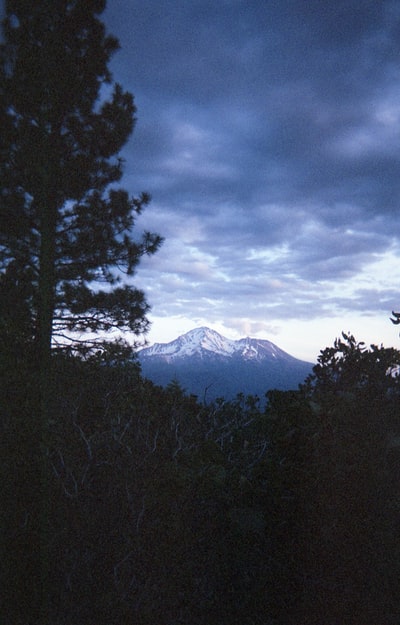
(268, 135)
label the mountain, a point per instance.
(210, 365)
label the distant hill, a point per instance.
(210, 365)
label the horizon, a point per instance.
(288, 350)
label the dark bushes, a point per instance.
(162, 510)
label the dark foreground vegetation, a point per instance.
(151, 508)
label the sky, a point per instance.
(268, 135)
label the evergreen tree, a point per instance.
(65, 228)
(61, 223)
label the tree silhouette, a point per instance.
(65, 228)
(61, 223)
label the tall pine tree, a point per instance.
(64, 228)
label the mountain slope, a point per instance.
(210, 365)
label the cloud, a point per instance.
(268, 135)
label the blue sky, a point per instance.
(268, 135)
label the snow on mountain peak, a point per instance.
(202, 341)
(193, 342)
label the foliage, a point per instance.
(64, 232)
(349, 367)
(346, 560)
(165, 510)
(152, 512)
(66, 237)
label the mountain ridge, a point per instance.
(204, 359)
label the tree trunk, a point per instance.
(44, 328)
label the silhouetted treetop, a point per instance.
(64, 123)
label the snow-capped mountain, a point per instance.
(196, 342)
(206, 342)
(203, 362)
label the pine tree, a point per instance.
(62, 223)
(66, 229)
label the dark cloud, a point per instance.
(268, 134)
